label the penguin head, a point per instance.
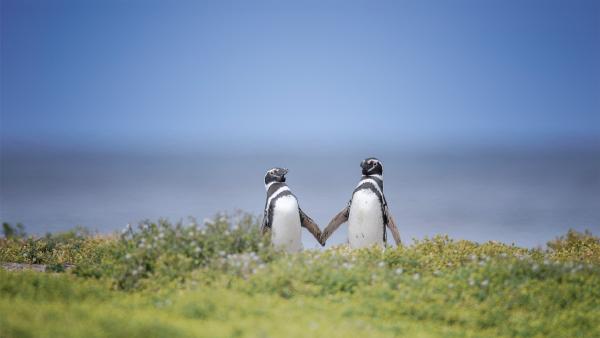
(371, 166)
(275, 175)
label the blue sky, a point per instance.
(256, 74)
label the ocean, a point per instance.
(526, 197)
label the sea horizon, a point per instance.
(520, 195)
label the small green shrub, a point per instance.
(163, 251)
(18, 231)
(576, 246)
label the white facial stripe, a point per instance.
(370, 180)
(372, 168)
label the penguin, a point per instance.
(283, 216)
(367, 212)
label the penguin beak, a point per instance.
(283, 172)
(363, 164)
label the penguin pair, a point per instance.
(367, 213)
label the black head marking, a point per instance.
(275, 175)
(371, 166)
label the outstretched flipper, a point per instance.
(391, 224)
(335, 223)
(311, 226)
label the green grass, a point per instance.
(222, 279)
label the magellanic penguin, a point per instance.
(367, 212)
(283, 215)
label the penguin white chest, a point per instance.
(286, 231)
(365, 222)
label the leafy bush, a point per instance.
(76, 246)
(164, 252)
(576, 246)
(18, 231)
(160, 251)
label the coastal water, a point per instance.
(526, 197)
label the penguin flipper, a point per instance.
(391, 224)
(335, 223)
(265, 226)
(311, 226)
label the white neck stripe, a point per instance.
(275, 194)
(372, 181)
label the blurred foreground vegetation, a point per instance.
(219, 278)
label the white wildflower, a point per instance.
(126, 228)
(399, 271)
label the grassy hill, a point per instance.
(221, 279)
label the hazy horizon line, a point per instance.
(157, 147)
